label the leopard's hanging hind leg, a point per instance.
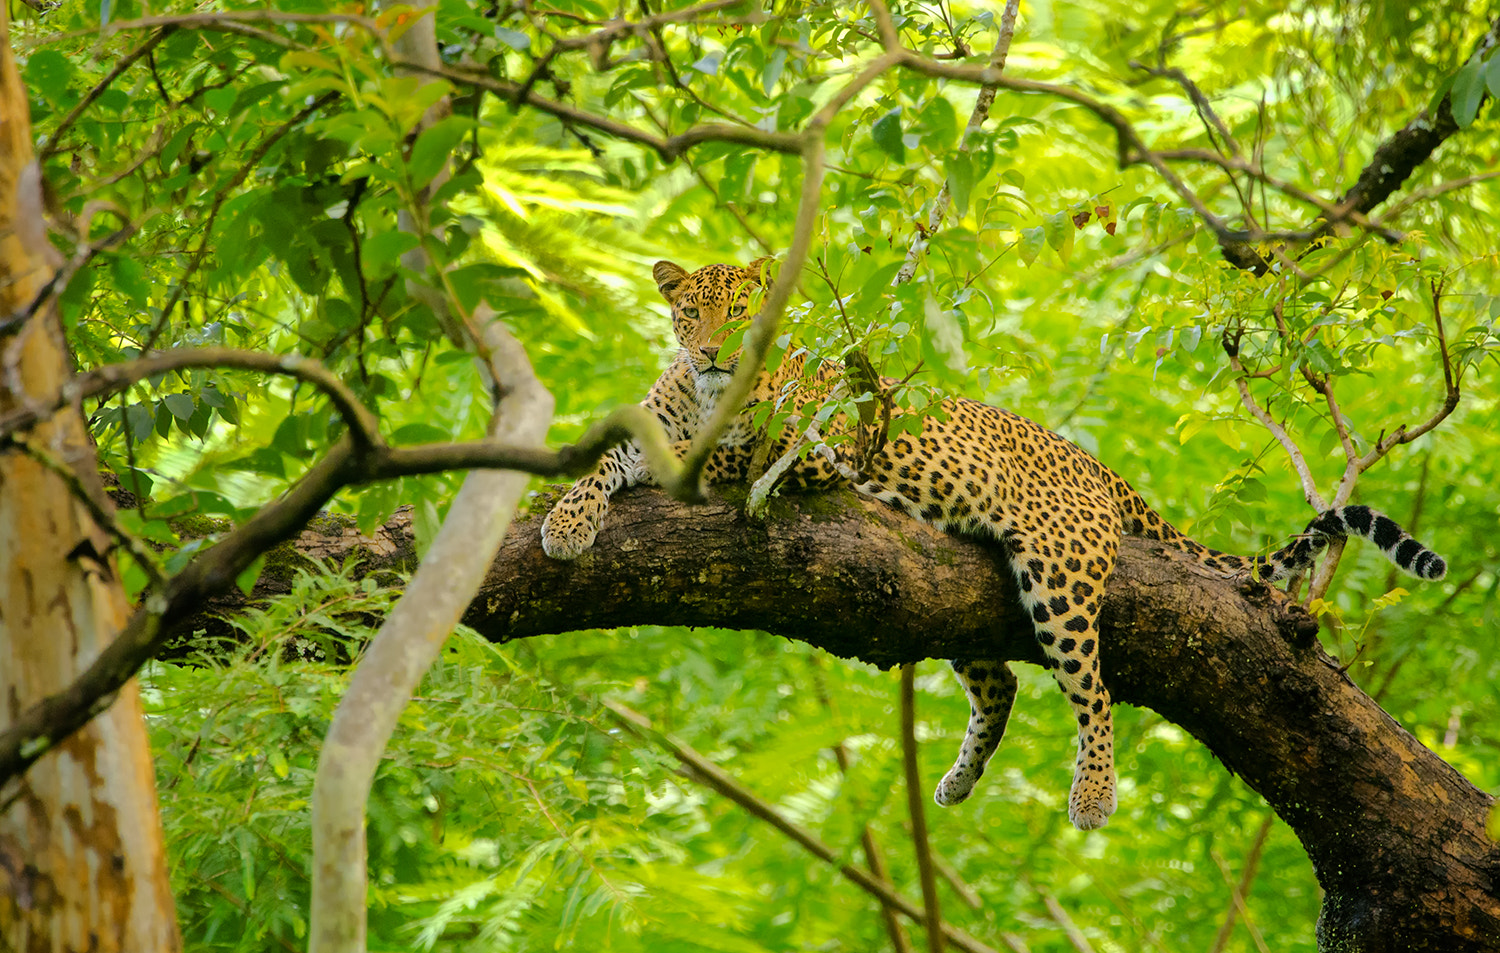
(991, 689)
(1063, 598)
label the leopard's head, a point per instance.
(705, 303)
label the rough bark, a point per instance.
(1396, 836)
(82, 865)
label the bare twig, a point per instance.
(126, 61)
(1451, 393)
(711, 775)
(900, 943)
(980, 113)
(1239, 891)
(1332, 213)
(113, 378)
(956, 881)
(1211, 121)
(1060, 916)
(207, 228)
(1433, 191)
(762, 330)
(1294, 453)
(669, 147)
(915, 806)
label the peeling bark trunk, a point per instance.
(1395, 834)
(82, 865)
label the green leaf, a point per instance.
(1492, 75)
(1252, 490)
(1468, 90)
(738, 175)
(773, 70)
(163, 421)
(247, 864)
(1150, 221)
(425, 524)
(50, 74)
(1056, 227)
(887, 134)
(1390, 598)
(1030, 244)
(181, 405)
(419, 432)
(1059, 229)
(380, 251)
(514, 39)
(250, 575)
(290, 438)
(221, 101)
(130, 278)
(942, 337)
(1189, 425)
(960, 181)
(433, 147)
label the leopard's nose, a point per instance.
(712, 353)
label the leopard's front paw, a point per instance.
(567, 533)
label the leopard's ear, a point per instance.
(669, 278)
(760, 268)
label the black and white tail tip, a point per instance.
(1396, 543)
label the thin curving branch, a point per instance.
(980, 113)
(179, 288)
(1294, 453)
(1451, 394)
(114, 378)
(762, 332)
(712, 776)
(1395, 159)
(128, 60)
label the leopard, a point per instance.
(967, 468)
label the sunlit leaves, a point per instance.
(960, 181)
(886, 131)
(1468, 88)
(508, 814)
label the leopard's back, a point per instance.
(972, 469)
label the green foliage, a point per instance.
(255, 176)
(512, 812)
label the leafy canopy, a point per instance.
(239, 181)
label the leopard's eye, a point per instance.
(737, 310)
(690, 313)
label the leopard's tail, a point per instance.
(1341, 522)
(1137, 518)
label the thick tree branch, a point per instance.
(1383, 818)
(1413, 144)
(1396, 836)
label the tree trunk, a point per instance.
(82, 865)
(1396, 836)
